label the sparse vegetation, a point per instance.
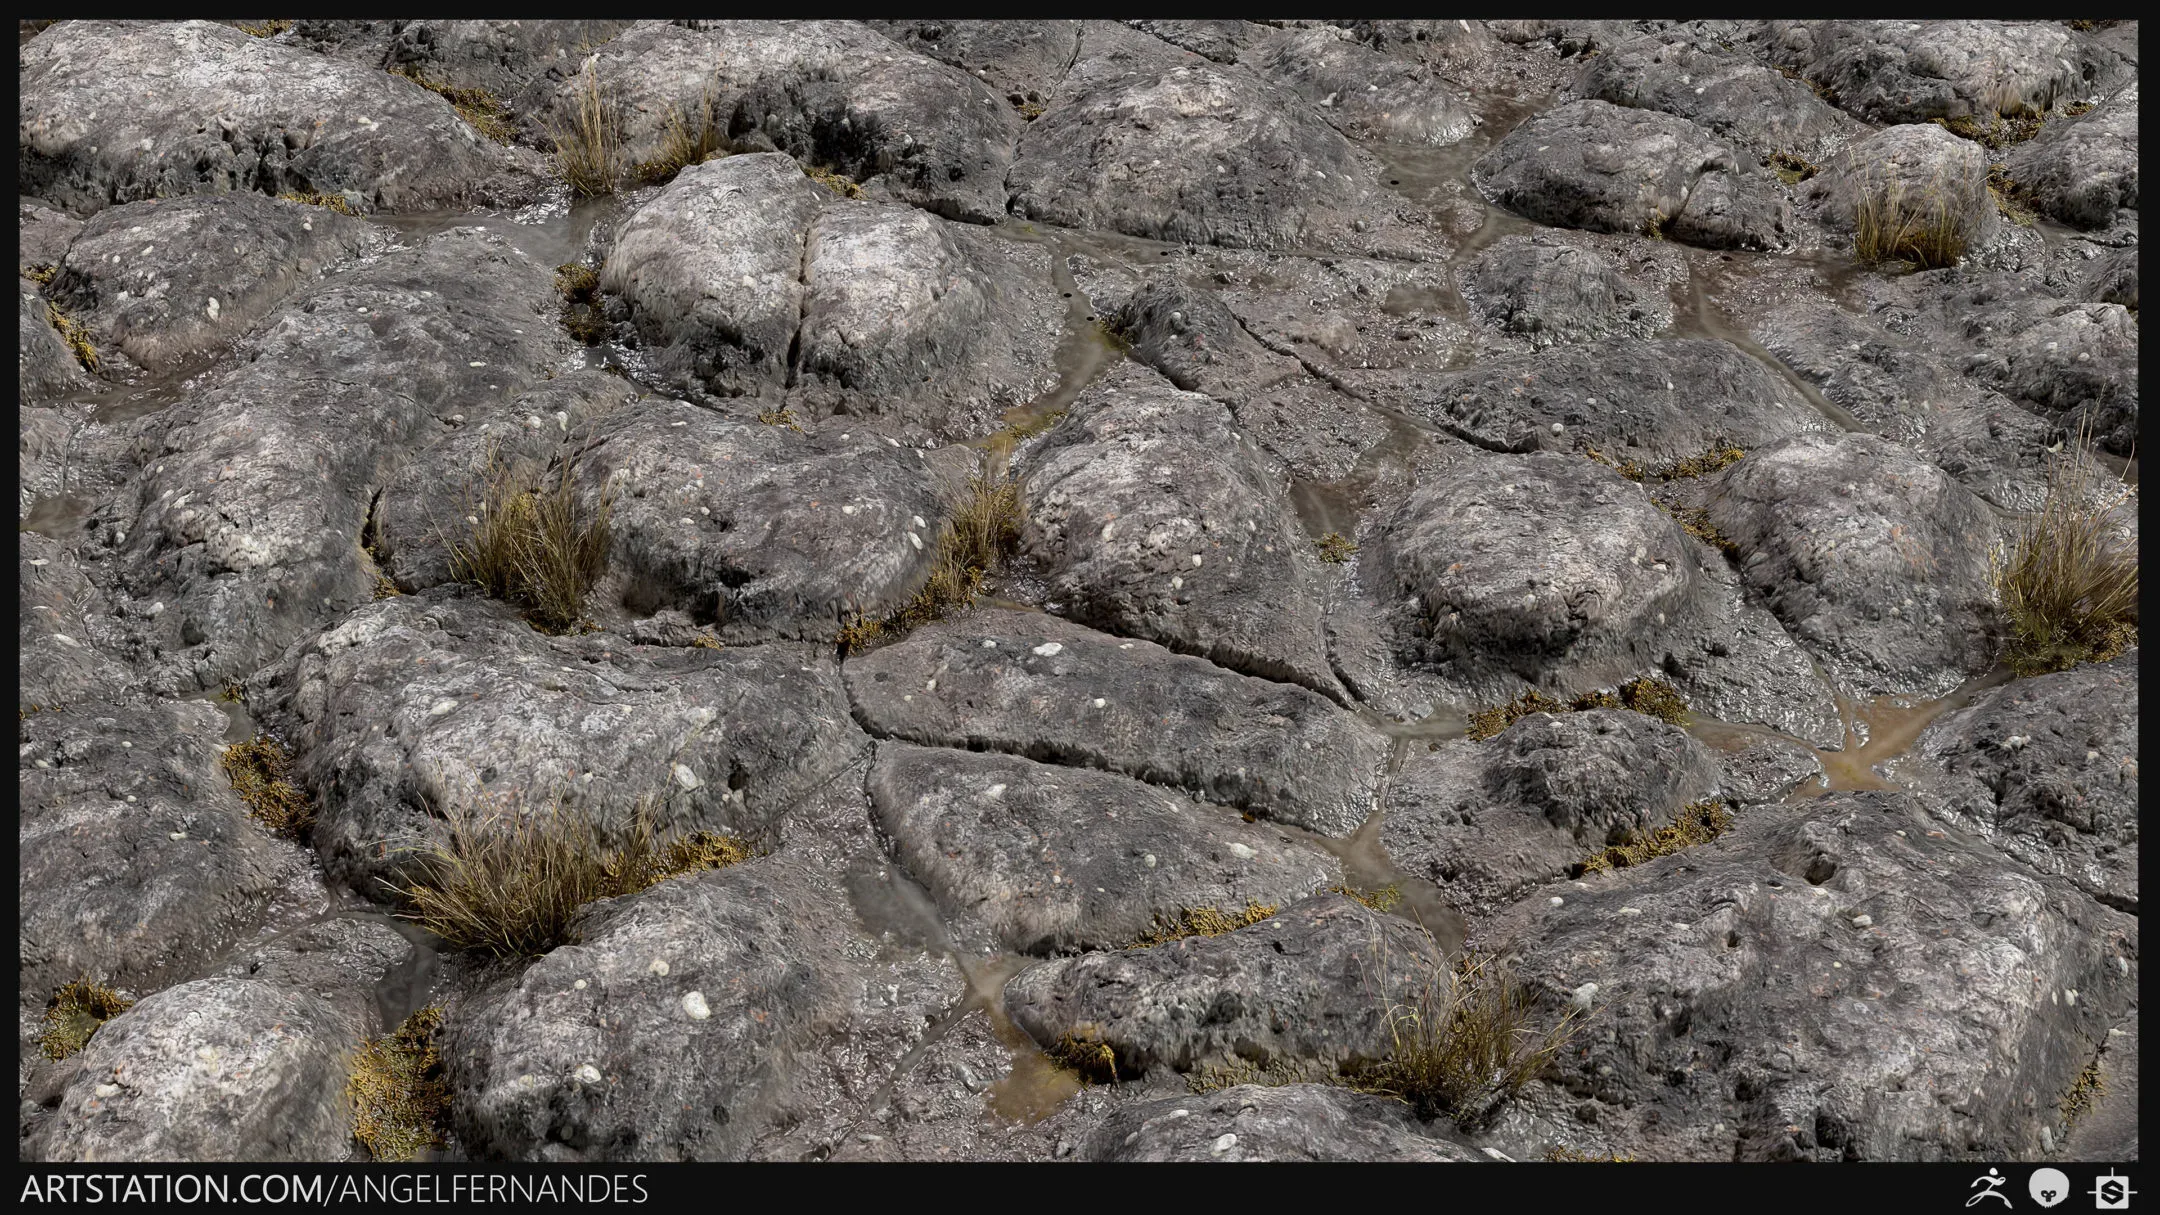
(2008, 198)
(262, 29)
(1790, 169)
(580, 288)
(1650, 697)
(75, 334)
(2077, 109)
(540, 547)
(1695, 521)
(329, 202)
(1336, 548)
(688, 138)
(261, 774)
(511, 889)
(1892, 225)
(1722, 455)
(1561, 1154)
(783, 417)
(983, 530)
(1464, 1045)
(482, 111)
(838, 183)
(1206, 922)
(75, 1012)
(1697, 823)
(2085, 1092)
(1383, 900)
(1083, 1052)
(589, 147)
(1112, 338)
(1993, 131)
(400, 1096)
(41, 275)
(2068, 583)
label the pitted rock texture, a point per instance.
(1256, 1122)
(1912, 71)
(1734, 96)
(1553, 294)
(2084, 172)
(1056, 859)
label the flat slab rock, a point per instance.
(1491, 821)
(1608, 168)
(670, 1032)
(1315, 983)
(1030, 684)
(139, 865)
(168, 280)
(62, 623)
(118, 111)
(1873, 558)
(1054, 858)
(1547, 566)
(1155, 516)
(421, 705)
(1842, 979)
(2047, 770)
(1553, 294)
(1253, 1122)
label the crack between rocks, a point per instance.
(802, 309)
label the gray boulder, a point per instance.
(2113, 278)
(1016, 56)
(1188, 334)
(2079, 360)
(1546, 566)
(1735, 97)
(1918, 174)
(1874, 559)
(1841, 979)
(1912, 71)
(2046, 769)
(42, 235)
(498, 57)
(1254, 1122)
(2084, 171)
(1362, 93)
(1315, 985)
(672, 1032)
(1607, 168)
(65, 632)
(1030, 684)
(1556, 294)
(1154, 517)
(120, 111)
(45, 367)
(426, 705)
(1053, 858)
(166, 281)
(139, 864)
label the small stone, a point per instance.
(588, 1073)
(1242, 852)
(579, 985)
(1100, 702)
(1862, 921)
(1048, 649)
(1631, 911)
(1582, 996)
(1557, 428)
(1556, 900)
(659, 967)
(694, 1004)
(688, 780)
(105, 1090)
(915, 540)
(1229, 1141)
(1149, 861)
(989, 644)
(177, 835)
(1196, 560)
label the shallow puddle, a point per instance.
(1367, 867)
(1876, 732)
(551, 233)
(240, 724)
(61, 517)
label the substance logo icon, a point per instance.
(2049, 1186)
(2112, 1192)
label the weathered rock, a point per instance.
(42, 235)
(139, 865)
(1055, 859)
(1031, 684)
(2046, 770)
(1915, 174)
(599, 1052)
(1490, 821)
(252, 518)
(499, 57)
(1554, 294)
(1911, 71)
(164, 281)
(1546, 565)
(1735, 97)
(119, 111)
(1363, 94)
(1255, 1122)
(1607, 168)
(45, 367)
(426, 705)
(216, 1069)
(2082, 172)
(1144, 140)
(1021, 56)
(766, 530)
(1873, 559)
(1224, 41)
(2075, 360)
(2114, 278)
(1154, 517)
(825, 92)
(1835, 980)
(1188, 334)
(1313, 985)
(62, 626)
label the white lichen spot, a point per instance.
(659, 967)
(589, 1074)
(685, 777)
(1242, 852)
(1048, 649)
(694, 1004)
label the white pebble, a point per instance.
(685, 777)
(919, 521)
(441, 707)
(578, 985)
(1557, 428)
(1149, 861)
(1556, 900)
(1631, 911)
(1582, 996)
(915, 540)
(1196, 560)
(1862, 921)
(177, 835)
(588, 1073)
(1048, 649)
(695, 1005)
(989, 644)
(476, 363)
(847, 510)
(1100, 702)
(1229, 1141)
(658, 967)
(1242, 852)
(213, 308)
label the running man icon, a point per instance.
(1994, 1182)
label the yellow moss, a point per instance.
(1206, 922)
(1650, 697)
(482, 111)
(1385, 899)
(1695, 521)
(1790, 169)
(1028, 428)
(400, 1097)
(1698, 823)
(781, 417)
(74, 1014)
(309, 198)
(1654, 698)
(1084, 1052)
(706, 641)
(75, 334)
(262, 29)
(1030, 110)
(1716, 459)
(838, 183)
(2085, 1092)
(41, 275)
(1336, 548)
(261, 773)
(1993, 132)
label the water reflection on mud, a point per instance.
(1876, 731)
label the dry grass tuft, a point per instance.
(2069, 586)
(1464, 1045)
(400, 1096)
(1206, 922)
(838, 183)
(983, 531)
(589, 148)
(75, 1013)
(580, 288)
(1336, 548)
(1790, 169)
(1993, 132)
(1891, 226)
(329, 202)
(512, 889)
(482, 111)
(261, 773)
(540, 547)
(783, 416)
(1698, 823)
(1560, 1154)
(1722, 455)
(75, 334)
(691, 137)
(1649, 697)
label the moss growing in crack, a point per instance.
(261, 773)
(262, 29)
(1206, 922)
(579, 285)
(1698, 823)
(41, 275)
(1083, 1052)
(1336, 548)
(983, 531)
(782, 417)
(1383, 900)
(837, 182)
(1721, 455)
(1993, 131)
(2085, 1092)
(329, 202)
(75, 1013)
(1649, 697)
(400, 1096)
(482, 111)
(75, 334)
(1695, 521)
(1790, 169)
